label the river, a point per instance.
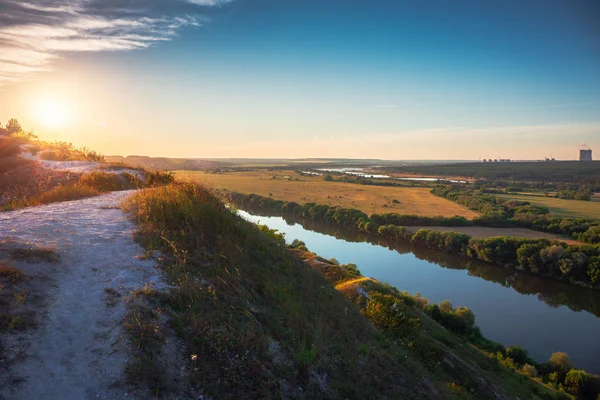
(511, 307)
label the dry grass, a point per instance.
(33, 254)
(78, 187)
(561, 207)
(369, 199)
(13, 316)
(12, 274)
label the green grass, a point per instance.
(259, 322)
(447, 357)
(561, 207)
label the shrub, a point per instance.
(65, 193)
(446, 307)
(575, 380)
(392, 317)
(529, 370)
(109, 182)
(560, 360)
(517, 353)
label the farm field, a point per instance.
(282, 185)
(561, 207)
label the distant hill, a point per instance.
(164, 163)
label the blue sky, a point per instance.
(303, 78)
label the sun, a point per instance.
(52, 113)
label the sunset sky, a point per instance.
(302, 78)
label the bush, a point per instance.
(560, 360)
(392, 317)
(575, 380)
(529, 370)
(110, 182)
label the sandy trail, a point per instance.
(80, 349)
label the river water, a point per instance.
(511, 307)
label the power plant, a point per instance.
(585, 153)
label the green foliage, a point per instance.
(518, 213)
(560, 360)
(392, 317)
(572, 263)
(446, 307)
(575, 380)
(418, 220)
(529, 257)
(519, 354)
(529, 370)
(298, 244)
(352, 269)
(273, 234)
(254, 315)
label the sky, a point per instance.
(301, 78)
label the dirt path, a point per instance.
(79, 349)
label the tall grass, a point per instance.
(260, 322)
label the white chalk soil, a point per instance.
(78, 167)
(79, 348)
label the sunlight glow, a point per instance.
(52, 113)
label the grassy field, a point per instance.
(369, 199)
(560, 207)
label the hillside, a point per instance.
(244, 302)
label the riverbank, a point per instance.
(365, 291)
(574, 263)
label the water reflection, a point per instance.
(552, 292)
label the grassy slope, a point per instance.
(369, 199)
(263, 324)
(561, 207)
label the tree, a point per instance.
(529, 256)
(560, 360)
(392, 317)
(13, 126)
(328, 177)
(529, 370)
(575, 380)
(446, 307)
(517, 353)
(466, 316)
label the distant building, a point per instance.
(585, 153)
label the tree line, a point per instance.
(518, 214)
(579, 264)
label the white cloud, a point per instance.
(35, 33)
(208, 2)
